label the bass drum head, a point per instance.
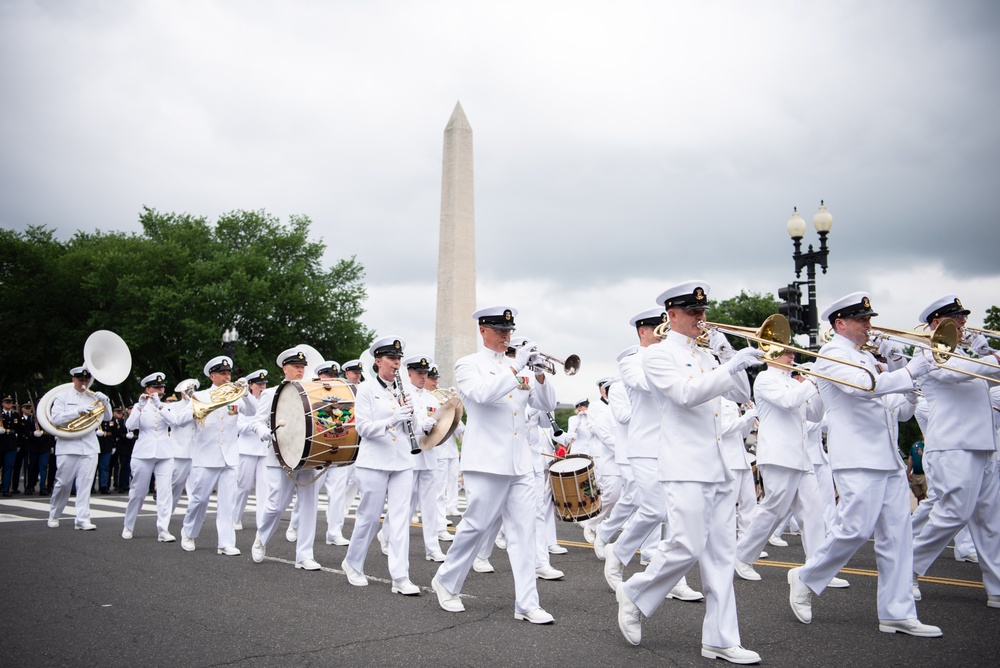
(571, 465)
(290, 424)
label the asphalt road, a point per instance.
(74, 598)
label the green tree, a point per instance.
(171, 291)
(743, 310)
(992, 321)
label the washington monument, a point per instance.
(455, 333)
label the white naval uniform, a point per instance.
(960, 460)
(628, 499)
(281, 484)
(384, 470)
(214, 458)
(76, 458)
(821, 466)
(152, 456)
(698, 486)
(538, 437)
(252, 472)
(425, 471)
(735, 429)
(448, 476)
(871, 479)
(341, 487)
(609, 477)
(181, 437)
(496, 463)
(580, 427)
(644, 529)
(783, 409)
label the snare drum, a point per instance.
(574, 488)
(313, 424)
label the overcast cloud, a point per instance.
(619, 147)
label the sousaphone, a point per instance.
(107, 357)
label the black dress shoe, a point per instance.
(6, 494)
(15, 492)
(104, 490)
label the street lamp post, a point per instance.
(808, 260)
(229, 339)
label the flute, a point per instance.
(414, 446)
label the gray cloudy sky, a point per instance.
(619, 147)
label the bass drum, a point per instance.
(575, 493)
(313, 424)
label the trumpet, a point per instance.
(773, 337)
(547, 363)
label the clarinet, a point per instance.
(414, 446)
(556, 431)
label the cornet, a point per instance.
(547, 363)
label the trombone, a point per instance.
(941, 343)
(773, 337)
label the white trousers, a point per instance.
(787, 490)
(545, 516)
(963, 539)
(827, 492)
(69, 469)
(340, 490)
(491, 496)
(965, 482)
(280, 486)
(252, 470)
(643, 530)
(746, 499)
(425, 494)
(377, 487)
(627, 505)
(448, 494)
(179, 480)
(611, 491)
(701, 528)
(870, 502)
(142, 471)
(205, 480)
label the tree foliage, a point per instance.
(743, 310)
(170, 292)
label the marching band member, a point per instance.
(152, 457)
(76, 458)
(785, 405)
(609, 477)
(253, 453)
(621, 410)
(447, 454)
(425, 487)
(698, 490)
(181, 437)
(384, 467)
(545, 515)
(336, 479)
(643, 532)
(281, 482)
(496, 462)
(959, 453)
(214, 458)
(736, 427)
(870, 476)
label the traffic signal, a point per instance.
(792, 309)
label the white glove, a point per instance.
(154, 399)
(103, 398)
(404, 413)
(979, 345)
(538, 363)
(720, 345)
(2, 430)
(890, 350)
(38, 433)
(745, 358)
(912, 397)
(84, 410)
(100, 432)
(919, 365)
(265, 437)
(523, 354)
(427, 424)
(751, 414)
(129, 435)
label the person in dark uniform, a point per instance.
(37, 445)
(11, 425)
(107, 440)
(124, 443)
